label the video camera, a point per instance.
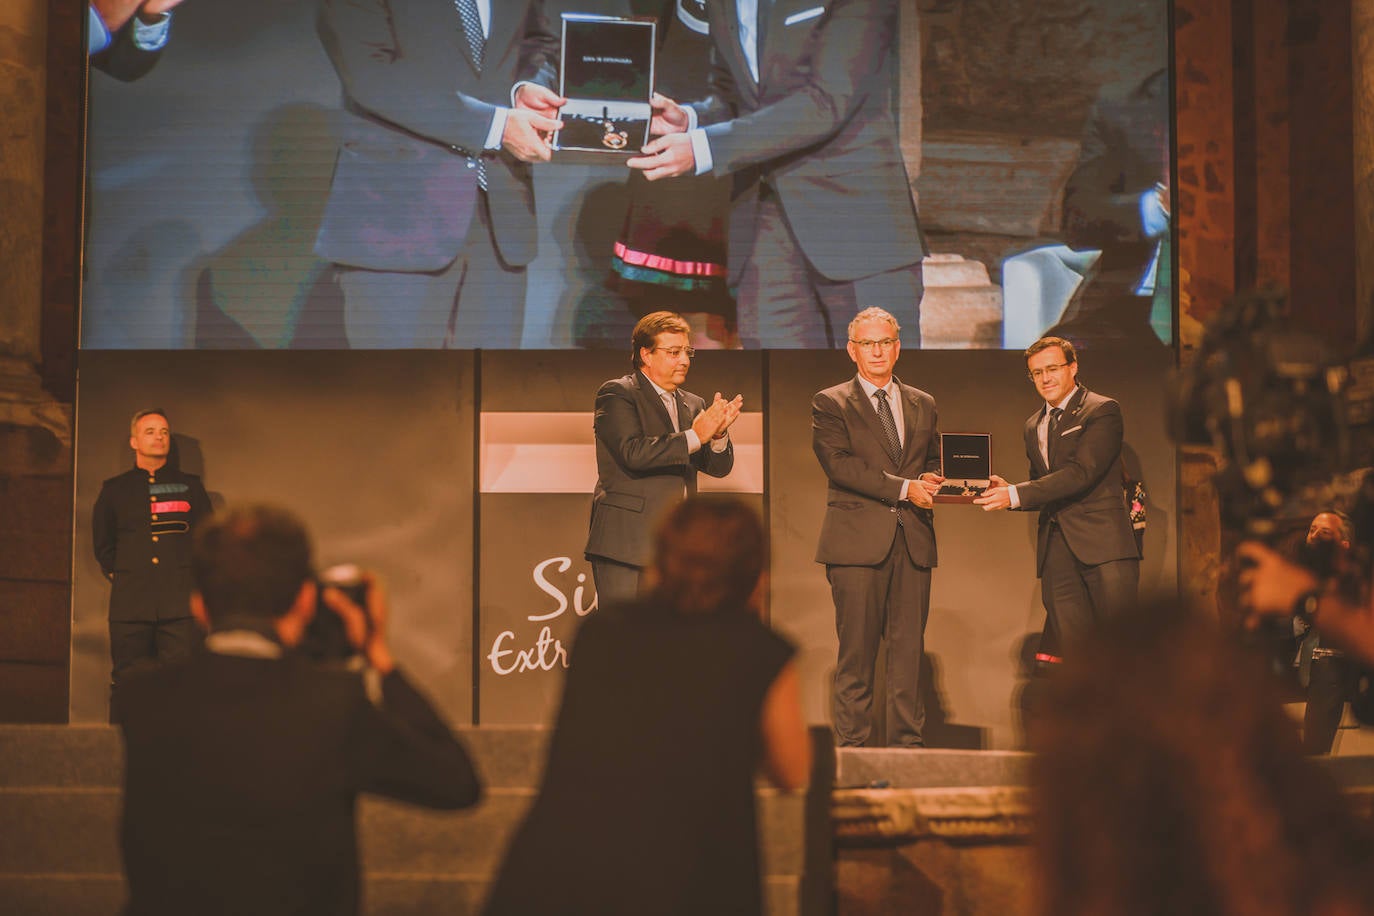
(1292, 422)
(1292, 425)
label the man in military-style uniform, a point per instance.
(141, 530)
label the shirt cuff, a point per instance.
(1154, 221)
(906, 485)
(693, 442)
(1011, 494)
(721, 444)
(498, 129)
(152, 36)
(97, 35)
(701, 149)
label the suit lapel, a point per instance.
(684, 422)
(911, 412)
(1068, 420)
(649, 395)
(507, 19)
(863, 405)
(738, 64)
(1033, 443)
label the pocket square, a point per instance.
(804, 15)
(1072, 429)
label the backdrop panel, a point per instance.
(538, 468)
(372, 449)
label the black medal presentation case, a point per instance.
(607, 76)
(966, 459)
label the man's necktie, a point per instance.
(1056, 413)
(670, 404)
(477, 47)
(891, 443)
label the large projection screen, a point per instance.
(285, 177)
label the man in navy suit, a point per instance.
(652, 437)
(1086, 554)
(878, 442)
(430, 216)
(800, 114)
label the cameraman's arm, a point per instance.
(403, 749)
(1271, 586)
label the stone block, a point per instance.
(1004, 184)
(961, 318)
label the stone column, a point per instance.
(23, 82)
(1362, 49)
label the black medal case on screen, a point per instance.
(966, 459)
(607, 76)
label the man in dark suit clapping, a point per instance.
(652, 438)
(1086, 554)
(244, 765)
(878, 442)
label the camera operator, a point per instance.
(1326, 673)
(243, 765)
(1272, 586)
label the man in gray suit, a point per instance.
(800, 113)
(1086, 554)
(879, 444)
(430, 216)
(652, 438)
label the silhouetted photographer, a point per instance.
(245, 763)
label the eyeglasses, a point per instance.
(1037, 374)
(868, 345)
(675, 352)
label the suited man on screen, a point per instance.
(800, 114)
(652, 438)
(878, 442)
(1086, 554)
(430, 216)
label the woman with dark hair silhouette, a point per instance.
(670, 705)
(1168, 780)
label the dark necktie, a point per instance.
(477, 46)
(472, 30)
(891, 444)
(1055, 414)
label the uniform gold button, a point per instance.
(154, 561)
(155, 539)
(154, 516)
(152, 499)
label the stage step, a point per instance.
(927, 768)
(60, 808)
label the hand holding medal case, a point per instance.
(607, 76)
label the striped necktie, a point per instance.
(891, 443)
(477, 46)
